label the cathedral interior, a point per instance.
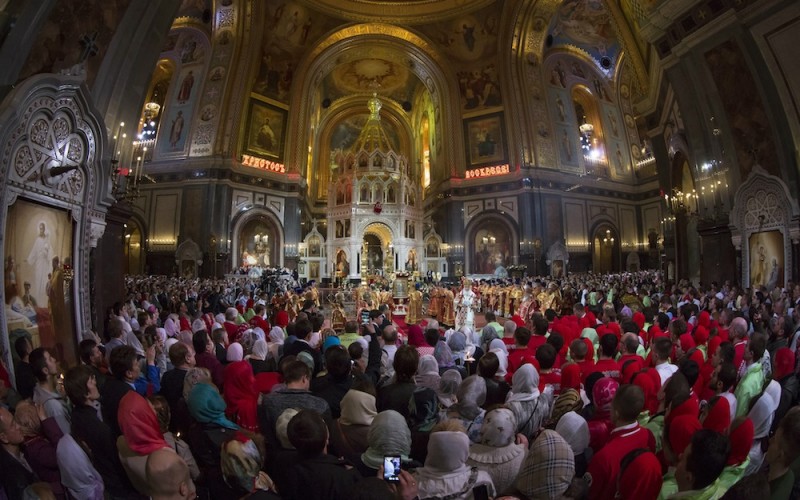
(351, 139)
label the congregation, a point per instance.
(590, 386)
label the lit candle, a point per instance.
(144, 154)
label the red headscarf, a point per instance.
(719, 416)
(241, 395)
(700, 335)
(704, 319)
(518, 320)
(639, 319)
(650, 388)
(783, 363)
(681, 431)
(713, 345)
(687, 342)
(571, 377)
(282, 319)
(139, 424)
(741, 438)
(642, 478)
(416, 337)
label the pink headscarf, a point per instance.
(603, 394)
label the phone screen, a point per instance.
(391, 469)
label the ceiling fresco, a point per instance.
(586, 25)
(289, 30)
(410, 12)
(470, 42)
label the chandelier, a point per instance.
(127, 163)
(608, 240)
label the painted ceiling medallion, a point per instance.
(370, 74)
(403, 12)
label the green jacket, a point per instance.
(712, 492)
(749, 387)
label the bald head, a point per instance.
(168, 476)
(630, 342)
(738, 328)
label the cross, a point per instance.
(212, 93)
(702, 15)
(90, 47)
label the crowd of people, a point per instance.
(593, 386)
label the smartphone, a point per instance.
(391, 469)
(480, 492)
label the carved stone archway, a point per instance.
(764, 207)
(246, 215)
(52, 145)
(188, 258)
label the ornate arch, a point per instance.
(424, 61)
(53, 141)
(475, 224)
(762, 204)
(245, 215)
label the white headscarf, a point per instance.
(524, 384)
(198, 325)
(277, 335)
(258, 333)
(498, 344)
(498, 347)
(171, 327)
(235, 352)
(260, 349)
(575, 431)
(358, 408)
(447, 451)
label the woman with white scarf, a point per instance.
(276, 338)
(350, 432)
(428, 373)
(498, 347)
(446, 473)
(530, 407)
(258, 358)
(470, 397)
(458, 346)
(448, 386)
(388, 435)
(496, 451)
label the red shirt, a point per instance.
(608, 367)
(626, 357)
(535, 342)
(605, 465)
(553, 378)
(519, 357)
(185, 325)
(259, 322)
(586, 367)
(610, 327)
